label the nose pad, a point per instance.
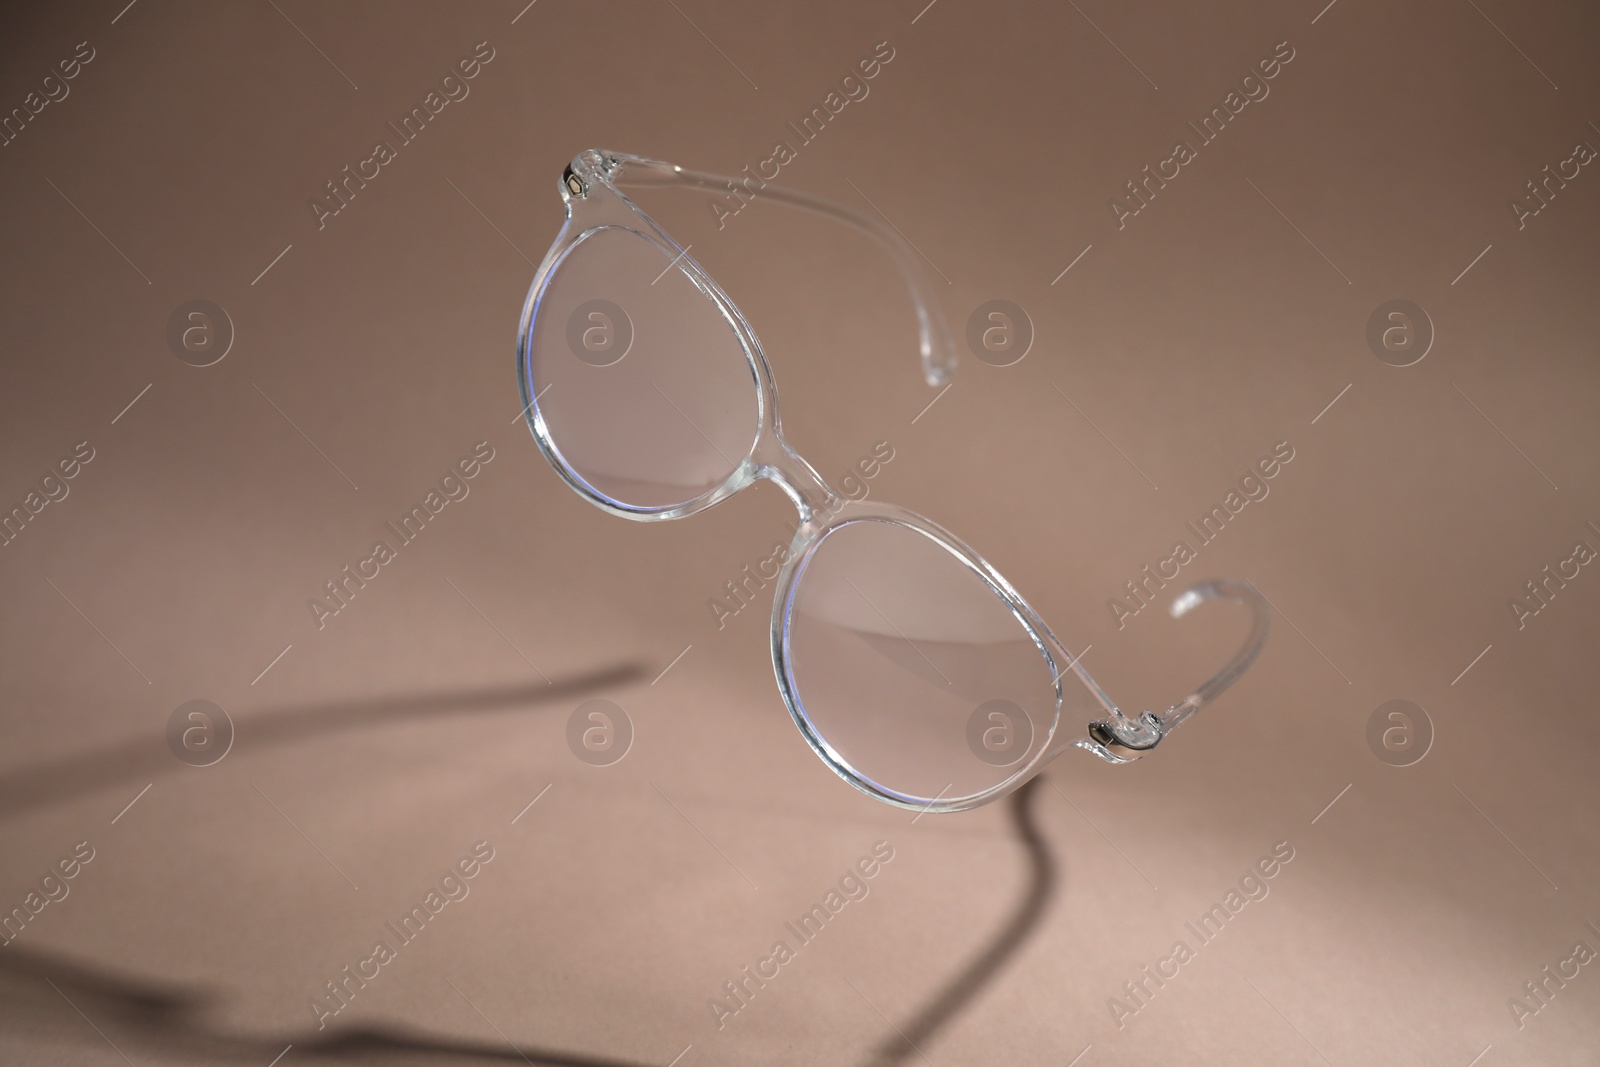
(1125, 739)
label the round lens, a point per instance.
(642, 385)
(910, 669)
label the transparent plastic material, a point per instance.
(912, 667)
(664, 409)
(891, 640)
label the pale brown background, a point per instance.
(408, 728)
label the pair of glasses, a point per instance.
(911, 666)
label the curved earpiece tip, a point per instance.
(1217, 589)
(1190, 599)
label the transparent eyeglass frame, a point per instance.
(591, 191)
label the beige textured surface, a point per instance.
(1220, 320)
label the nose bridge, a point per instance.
(799, 481)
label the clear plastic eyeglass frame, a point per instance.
(910, 665)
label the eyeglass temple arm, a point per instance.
(1122, 740)
(937, 345)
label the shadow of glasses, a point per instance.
(51, 994)
(142, 759)
(983, 968)
(174, 1016)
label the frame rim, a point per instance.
(807, 540)
(618, 214)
